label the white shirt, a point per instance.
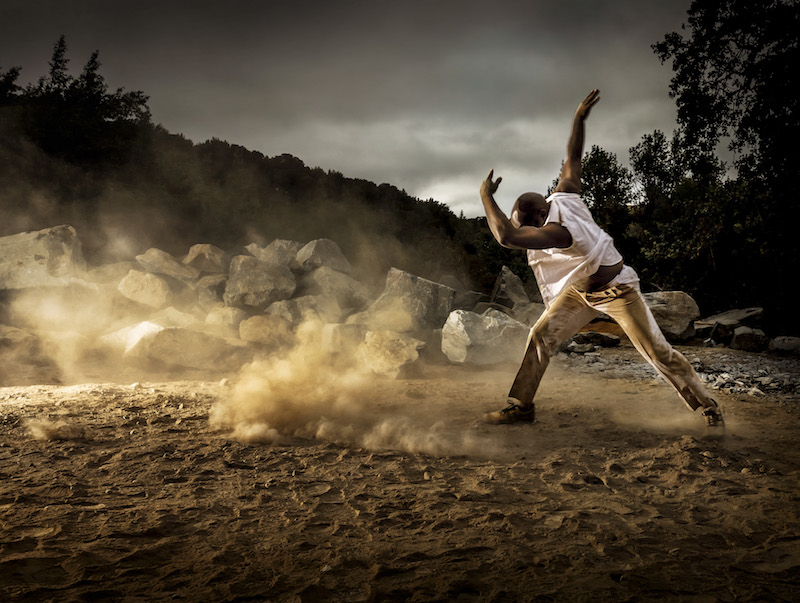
(556, 269)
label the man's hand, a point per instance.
(489, 186)
(587, 104)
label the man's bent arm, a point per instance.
(508, 235)
(570, 181)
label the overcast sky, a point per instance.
(425, 95)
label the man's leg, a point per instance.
(568, 313)
(627, 307)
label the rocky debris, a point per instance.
(785, 345)
(322, 252)
(747, 373)
(160, 262)
(44, 258)
(732, 371)
(408, 304)
(348, 292)
(390, 354)
(675, 313)
(146, 288)
(176, 346)
(749, 340)
(255, 285)
(489, 338)
(269, 331)
(573, 347)
(206, 258)
(280, 251)
(720, 327)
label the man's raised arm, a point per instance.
(570, 181)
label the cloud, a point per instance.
(424, 95)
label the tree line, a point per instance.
(71, 150)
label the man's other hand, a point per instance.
(587, 103)
(489, 186)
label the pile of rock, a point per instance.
(210, 310)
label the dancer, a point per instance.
(580, 275)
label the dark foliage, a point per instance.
(735, 78)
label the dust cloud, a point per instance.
(306, 393)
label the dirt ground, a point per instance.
(128, 492)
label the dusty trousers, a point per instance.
(625, 305)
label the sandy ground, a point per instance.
(128, 492)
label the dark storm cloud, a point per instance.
(425, 95)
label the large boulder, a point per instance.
(489, 338)
(322, 252)
(675, 313)
(389, 354)
(408, 304)
(44, 258)
(255, 284)
(162, 263)
(269, 331)
(279, 251)
(178, 347)
(206, 258)
(347, 291)
(784, 344)
(127, 338)
(749, 339)
(146, 288)
(721, 327)
(508, 289)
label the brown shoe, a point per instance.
(510, 414)
(714, 422)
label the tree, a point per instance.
(58, 78)
(77, 119)
(735, 77)
(608, 191)
(8, 86)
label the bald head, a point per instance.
(527, 210)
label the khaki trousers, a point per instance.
(625, 305)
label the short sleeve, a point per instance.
(554, 215)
